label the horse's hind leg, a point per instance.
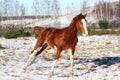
(30, 60)
(55, 61)
(34, 55)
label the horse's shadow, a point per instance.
(107, 61)
(103, 62)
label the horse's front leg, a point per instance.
(55, 61)
(71, 60)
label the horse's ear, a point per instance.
(85, 15)
(80, 14)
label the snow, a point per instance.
(61, 21)
(96, 58)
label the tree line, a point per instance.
(103, 9)
(13, 9)
(107, 10)
(39, 8)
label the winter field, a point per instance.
(96, 58)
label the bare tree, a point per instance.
(117, 17)
(70, 8)
(48, 7)
(35, 8)
(45, 7)
(16, 10)
(84, 5)
(22, 13)
(0, 12)
(17, 6)
(118, 10)
(103, 10)
(41, 7)
(55, 11)
(6, 8)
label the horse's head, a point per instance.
(81, 23)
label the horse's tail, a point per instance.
(39, 28)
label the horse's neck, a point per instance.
(72, 30)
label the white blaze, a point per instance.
(84, 26)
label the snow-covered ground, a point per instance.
(96, 58)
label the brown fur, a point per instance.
(62, 39)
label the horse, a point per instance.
(59, 39)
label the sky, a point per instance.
(63, 4)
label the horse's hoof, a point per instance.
(23, 70)
(51, 74)
(72, 73)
